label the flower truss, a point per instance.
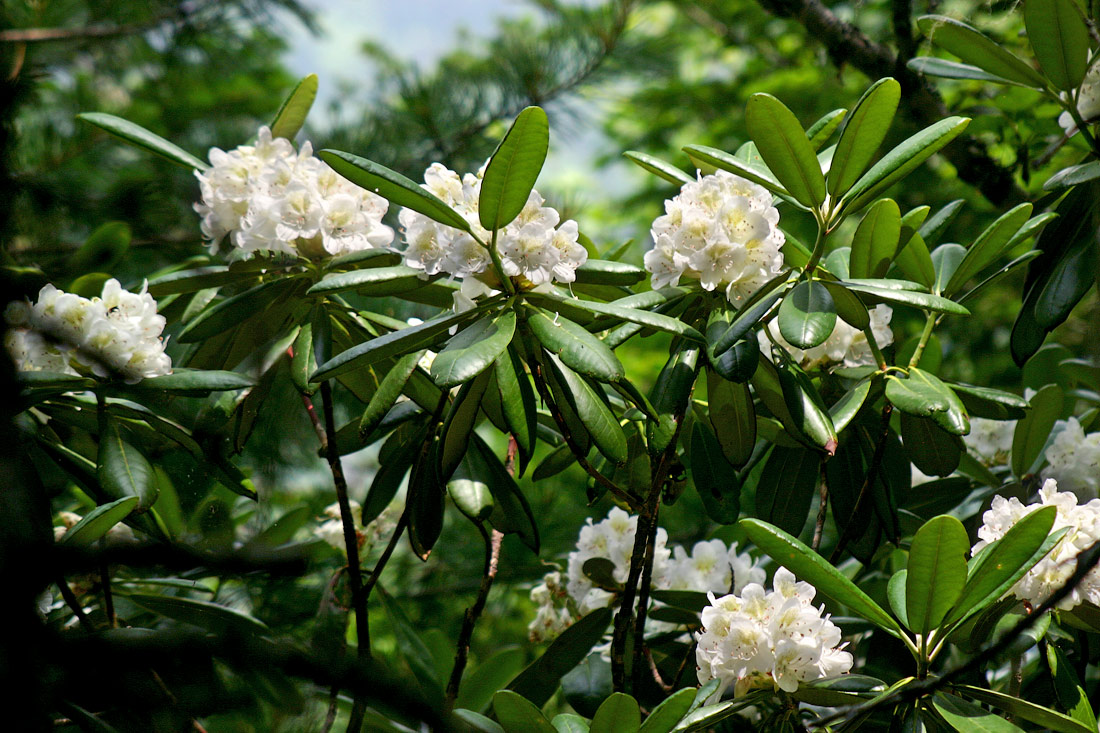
(267, 197)
(1088, 102)
(537, 246)
(1050, 573)
(721, 230)
(990, 441)
(846, 346)
(117, 332)
(774, 638)
(1073, 460)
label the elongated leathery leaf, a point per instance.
(576, 347)
(724, 161)
(966, 717)
(459, 423)
(912, 298)
(658, 167)
(513, 169)
(785, 148)
(389, 389)
(823, 129)
(541, 678)
(901, 161)
(806, 408)
(1040, 715)
(989, 244)
(932, 449)
(876, 240)
(596, 416)
(375, 281)
(137, 135)
(473, 349)
(1060, 39)
(807, 565)
(292, 114)
(807, 315)
(1032, 432)
(974, 47)
(863, 132)
(392, 186)
(517, 715)
(714, 478)
(98, 522)
(122, 469)
(947, 69)
(517, 402)
(634, 315)
(937, 572)
(786, 488)
(733, 417)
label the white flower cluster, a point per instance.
(771, 638)
(1050, 573)
(990, 441)
(720, 229)
(331, 529)
(1088, 102)
(711, 566)
(536, 246)
(846, 345)
(117, 332)
(552, 616)
(1073, 460)
(267, 197)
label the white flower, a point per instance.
(846, 345)
(266, 197)
(332, 529)
(720, 229)
(775, 639)
(1052, 572)
(990, 441)
(533, 247)
(1074, 460)
(1088, 102)
(115, 333)
(552, 616)
(611, 539)
(713, 568)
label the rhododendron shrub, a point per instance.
(739, 404)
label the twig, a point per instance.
(643, 594)
(74, 605)
(390, 546)
(330, 714)
(108, 596)
(665, 687)
(819, 523)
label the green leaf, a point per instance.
(122, 469)
(807, 565)
(576, 347)
(411, 647)
(967, 717)
(936, 572)
(210, 616)
(823, 129)
(389, 389)
(1031, 434)
(194, 382)
(937, 224)
(1029, 711)
(786, 488)
(459, 424)
(665, 716)
(901, 161)
(974, 47)
(946, 260)
(863, 132)
(943, 68)
(511, 512)
(541, 678)
(807, 410)
(807, 315)
(1002, 563)
(471, 497)
(988, 246)
(475, 720)
(517, 715)
(231, 312)
(100, 254)
(282, 530)
(395, 343)
(876, 240)
(490, 675)
(670, 396)
(374, 281)
(392, 186)
(594, 414)
(137, 135)
(513, 169)
(913, 260)
(895, 594)
(609, 272)
(292, 114)
(926, 301)
(705, 718)
(97, 523)
(658, 167)
(713, 476)
(517, 402)
(724, 161)
(1073, 175)
(932, 449)
(618, 714)
(785, 148)
(302, 361)
(847, 407)
(999, 275)
(634, 315)
(1068, 688)
(1060, 40)
(473, 349)
(924, 395)
(733, 417)
(199, 278)
(992, 404)
(569, 723)
(751, 312)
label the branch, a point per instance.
(920, 102)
